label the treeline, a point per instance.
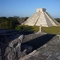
(11, 22)
(57, 19)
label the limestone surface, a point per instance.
(41, 18)
(48, 51)
(10, 45)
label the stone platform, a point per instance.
(50, 50)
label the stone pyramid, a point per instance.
(41, 18)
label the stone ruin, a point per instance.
(41, 18)
(10, 44)
(15, 46)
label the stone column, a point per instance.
(40, 27)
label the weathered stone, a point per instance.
(10, 46)
(48, 51)
(27, 49)
(41, 18)
(58, 57)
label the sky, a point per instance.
(26, 8)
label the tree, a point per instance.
(57, 19)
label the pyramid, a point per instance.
(41, 18)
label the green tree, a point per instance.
(57, 19)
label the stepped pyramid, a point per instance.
(41, 18)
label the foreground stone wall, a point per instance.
(11, 51)
(10, 46)
(49, 51)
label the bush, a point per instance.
(27, 28)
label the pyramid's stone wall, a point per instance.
(41, 10)
(41, 18)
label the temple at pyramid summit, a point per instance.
(41, 18)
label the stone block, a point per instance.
(12, 49)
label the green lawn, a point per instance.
(27, 28)
(51, 30)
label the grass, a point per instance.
(27, 28)
(35, 28)
(51, 30)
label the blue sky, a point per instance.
(23, 8)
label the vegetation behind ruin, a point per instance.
(11, 22)
(26, 28)
(15, 23)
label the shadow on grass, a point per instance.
(38, 42)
